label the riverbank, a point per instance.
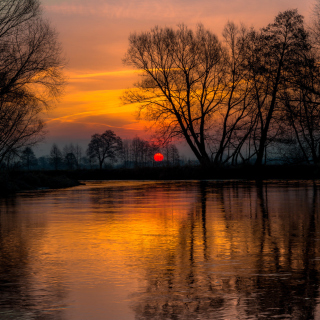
(14, 182)
(197, 173)
(21, 181)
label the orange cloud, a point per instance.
(82, 113)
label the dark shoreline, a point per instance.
(13, 182)
(199, 173)
(18, 181)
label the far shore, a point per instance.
(268, 172)
(18, 181)
(13, 182)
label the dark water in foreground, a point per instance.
(162, 250)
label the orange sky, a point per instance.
(94, 36)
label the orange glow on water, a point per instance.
(110, 250)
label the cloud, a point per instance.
(82, 127)
(87, 118)
(99, 81)
(169, 9)
(120, 73)
(118, 10)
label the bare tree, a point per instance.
(78, 154)
(274, 56)
(302, 108)
(125, 153)
(235, 120)
(14, 13)
(20, 126)
(31, 76)
(137, 151)
(70, 161)
(56, 157)
(44, 162)
(28, 158)
(104, 146)
(182, 82)
(314, 27)
(171, 155)
(228, 102)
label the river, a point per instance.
(157, 250)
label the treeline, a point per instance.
(104, 151)
(252, 98)
(109, 149)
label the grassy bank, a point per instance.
(21, 181)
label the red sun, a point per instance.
(158, 157)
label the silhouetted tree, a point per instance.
(44, 163)
(314, 27)
(171, 154)
(30, 73)
(104, 146)
(70, 161)
(78, 154)
(69, 156)
(28, 158)
(125, 153)
(56, 157)
(228, 101)
(236, 119)
(183, 82)
(274, 56)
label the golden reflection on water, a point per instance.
(161, 250)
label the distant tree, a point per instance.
(44, 162)
(171, 154)
(138, 151)
(90, 160)
(69, 156)
(70, 161)
(28, 158)
(78, 154)
(125, 153)
(141, 151)
(87, 162)
(30, 73)
(56, 158)
(69, 148)
(104, 146)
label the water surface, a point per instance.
(162, 250)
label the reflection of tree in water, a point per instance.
(287, 280)
(269, 269)
(20, 297)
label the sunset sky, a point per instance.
(94, 37)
